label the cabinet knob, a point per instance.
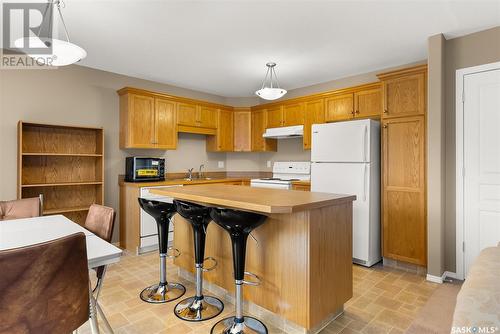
(357, 111)
(385, 110)
(385, 126)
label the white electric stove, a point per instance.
(284, 173)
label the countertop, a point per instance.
(171, 182)
(263, 200)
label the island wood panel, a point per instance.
(130, 223)
(302, 270)
(330, 259)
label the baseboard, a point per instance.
(450, 274)
(442, 278)
(435, 279)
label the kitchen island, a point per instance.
(302, 253)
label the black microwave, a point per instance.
(142, 169)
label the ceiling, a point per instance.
(221, 47)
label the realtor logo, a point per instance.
(27, 35)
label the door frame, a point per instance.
(459, 171)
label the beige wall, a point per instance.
(475, 49)
(83, 96)
(436, 157)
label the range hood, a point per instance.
(284, 132)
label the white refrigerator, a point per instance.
(345, 159)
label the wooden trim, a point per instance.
(403, 72)
(47, 125)
(197, 130)
(181, 99)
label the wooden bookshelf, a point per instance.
(64, 164)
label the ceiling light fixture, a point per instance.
(270, 89)
(63, 52)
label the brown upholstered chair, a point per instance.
(100, 221)
(21, 208)
(44, 288)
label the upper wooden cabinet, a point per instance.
(314, 114)
(194, 118)
(339, 107)
(208, 117)
(259, 125)
(165, 120)
(293, 114)
(147, 122)
(274, 117)
(368, 103)
(222, 141)
(187, 114)
(242, 120)
(404, 92)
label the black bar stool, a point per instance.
(198, 307)
(162, 292)
(238, 224)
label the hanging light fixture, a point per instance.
(270, 89)
(63, 52)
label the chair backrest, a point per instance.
(100, 221)
(44, 288)
(21, 208)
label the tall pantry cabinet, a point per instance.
(403, 158)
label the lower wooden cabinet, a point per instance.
(403, 189)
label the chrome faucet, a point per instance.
(201, 173)
(190, 174)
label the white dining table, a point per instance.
(29, 231)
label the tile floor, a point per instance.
(385, 301)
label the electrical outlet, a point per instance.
(220, 164)
(268, 163)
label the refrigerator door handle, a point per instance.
(365, 143)
(364, 183)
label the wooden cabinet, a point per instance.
(147, 122)
(187, 114)
(368, 103)
(274, 117)
(242, 120)
(208, 117)
(165, 121)
(314, 114)
(404, 93)
(293, 114)
(259, 125)
(194, 118)
(403, 179)
(301, 187)
(222, 141)
(339, 107)
(404, 222)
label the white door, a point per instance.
(349, 179)
(341, 142)
(481, 152)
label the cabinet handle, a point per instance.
(385, 110)
(357, 111)
(385, 126)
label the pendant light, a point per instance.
(270, 89)
(63, 52)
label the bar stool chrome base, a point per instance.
(163, 293)
(199, 309)
(230, 326)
